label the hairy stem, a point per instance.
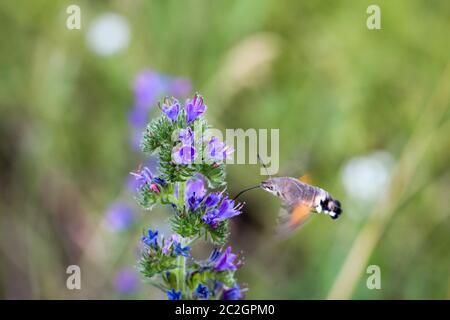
(181, 261)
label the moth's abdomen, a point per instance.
(310, 196)
(325, 203)
(305, 194)
(319, 196)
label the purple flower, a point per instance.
(147, 87)
(226, 210)
(144, 176)
(225, 261)
(195, 192)
(119, 216)
(194, 108)
(174, 295)
(202, 291)
(183, 154)
(233, 293)
(195, 186)
(126, 281)
(176, 238)
(151, 239)
(131, 183)
(171, 109)
(186, 136)
(212, 199)
(217, 150)
(211, 217)
(167, 243)
(178, 250)
(214, 255)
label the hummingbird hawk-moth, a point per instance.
(298, 201)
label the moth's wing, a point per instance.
(305, 178)
(290, 218)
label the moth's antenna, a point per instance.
(264, 165)
(245, 190)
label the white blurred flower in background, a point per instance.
(108, 34)
(366, 178)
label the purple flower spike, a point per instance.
(217, 150)
(171, 109)
(194, 108)
(233, 293)
(225, 262)
(195, 192)
(184, 154)
(186, 136)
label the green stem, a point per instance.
(181, 189)
(181, 261)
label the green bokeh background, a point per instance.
(311, 69)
